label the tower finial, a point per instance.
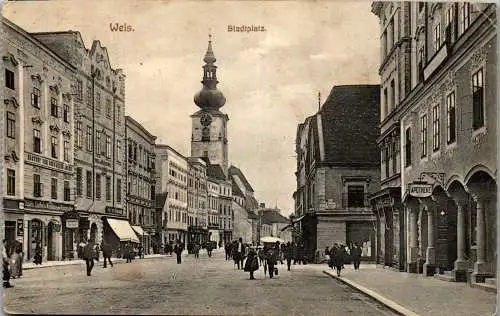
(209, 34)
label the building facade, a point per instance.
(141, 184)
(197, 202)
(39, 186)
(99, 129)
(337, 167)
(447, 123)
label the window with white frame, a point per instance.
(437, 37)
(435, 128)
(79, 134)
(89, 138)
(423, 136)
(37, 141)
(464, 16)
(478, 99)
(451, 118)
(54, 147)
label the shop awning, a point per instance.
(140, 232)
(123, 230)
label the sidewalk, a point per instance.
(411, 294)
(46, 264)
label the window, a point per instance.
(67, 191)
(408, 147)
(79, 182)
(437, 37)
(108, 188)
(11, 182)
(37, 186)
(9, 79)
(386, 159)
(450, 118)
(108, 146)
(35, 97)
(423, 136)
(79, 90)
(118, 110)
(89, 184)
(66, 113)
(395, 151)
(477, 100)
(464, 16)
(108, 108)
(98, 102)
(205, 134)
(89, 138)
(386, 102)
(153, 192)
(355, 196)
(118, 150)
(53, 188)
(66, 151)
(393, 95)
(89, 96)
(79, 134)
(37, 143)
(11, 125)
(54, 109)
(98, 186)
(54, 146)
(98, 143)
(435, 128)
(118, 190)
(449, 23)
(421, 64)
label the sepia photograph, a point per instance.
(164, 157)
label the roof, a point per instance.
(251, 214)
(236, 189)
(350, 123)
(130, 121)
(236, 171)
(273, 216)
(216, 172)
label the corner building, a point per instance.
(99, 98)
(38, 182)
(447, 121)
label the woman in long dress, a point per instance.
(15, 263)
(252, 262)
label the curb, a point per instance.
(377, 297)
(81, 262)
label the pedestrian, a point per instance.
(252, 262)
(106, 253)
(196, 250)
(97, 249)
(272, 260)
(294, 253)
(288, 255)
(88, 256)
(240, 251)
(332, 252)
(5, 264)
(178, 251)
(15, 262)
(356, 255)
(339, 259)
(227, 249)
(140, 252)
(37, 259)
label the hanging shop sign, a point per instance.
(20, 227)
(72, 223)
(420, 190)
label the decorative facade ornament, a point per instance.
(37, 120)
(448, 82)
(66, 134)
(12, 101)
(37, 77)
(10, 58)
(66, 96)
(15, 158)
(55, 88)
(478, 58)
(479, 138)
(54, 128)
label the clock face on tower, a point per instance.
(205, 119)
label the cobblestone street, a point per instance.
(197, 286)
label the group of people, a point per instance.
(339, 254)
(12, 261)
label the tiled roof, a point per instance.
(236, 171)
(216, 172)
(350, 119)
(273, 216)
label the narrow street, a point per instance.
(197, 286)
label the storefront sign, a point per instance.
(46, 205)
(71, 223)
(20, 227)
(420, 190)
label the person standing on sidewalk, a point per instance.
(356, 255)
(88, 256)
(5, 264)
(252, 262)
(240, 253)
(339, 259)
(106, 253)
(272, 260)
(288, 255)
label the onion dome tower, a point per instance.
(209, 132)
(209, 97)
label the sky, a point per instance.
(271, 79)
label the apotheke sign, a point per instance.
(420, 190)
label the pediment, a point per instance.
(11, 58)
(37, 78)
(37, 120)
(11, 101)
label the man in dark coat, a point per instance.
(88, 256)
(356, 255)
(288, 255)
(178, 251)
(106, 253)
(272, 259)
(240, 253)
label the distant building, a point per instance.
(271, 223)
(244, 206)
(140, 181)
(438, 113)
(338, 165)
(197, 202)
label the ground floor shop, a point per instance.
(145, 239)
(119, 233)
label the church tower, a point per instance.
(209, 134)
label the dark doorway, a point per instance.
(50, 242)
